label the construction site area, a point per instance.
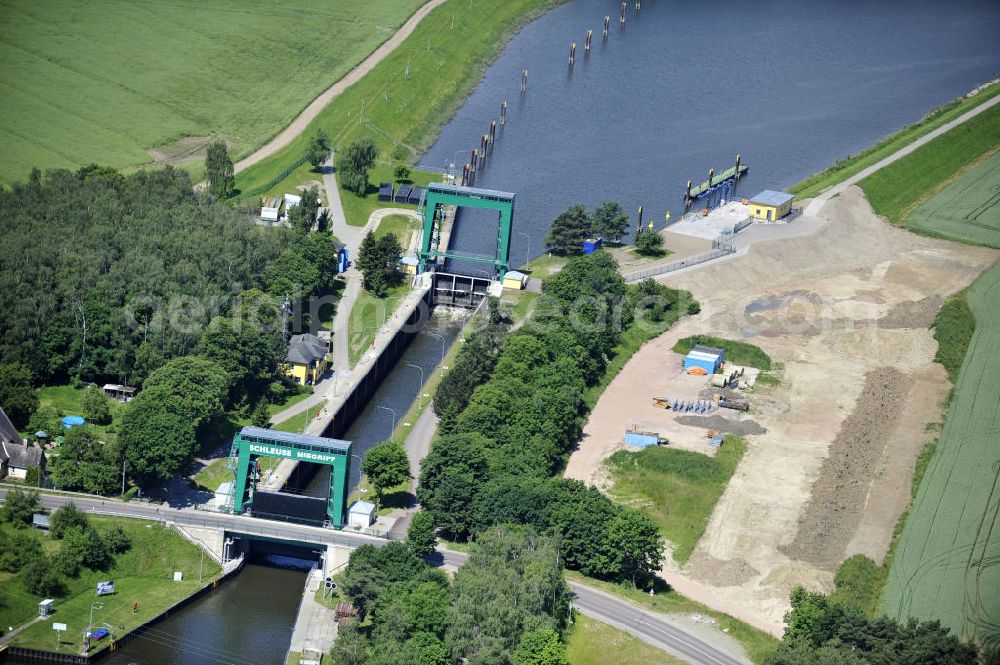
(842, 302)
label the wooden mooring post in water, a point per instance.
(607, 21)
(572, 53)
(621, 17)
(524, 80)
(586, 41)
(503, 113)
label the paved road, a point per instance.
(648, 626)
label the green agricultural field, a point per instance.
(106, 81)
(968, 209)
(945, 563)
(678, 489)
(446, 53)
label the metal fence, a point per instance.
(722, 250)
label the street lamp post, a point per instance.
(527, 247)
(440, 337)
(96, 605)
(393, 419)
(421, 390)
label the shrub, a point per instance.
(65, 518)
(41, 580)
(116, 539)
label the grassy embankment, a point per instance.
(589, 641)
(938, 565)
(897, 190)
(678, 489)
(853, 164)
(447, 54)
(91, 101)
(757, 643)
(144, 574)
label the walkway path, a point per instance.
(316, 624)
(299, 124)
(817, 203)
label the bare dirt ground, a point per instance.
(850, 296)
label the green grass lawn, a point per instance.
(403, 227)
(144, 574)
(676, 488)
(447, 54)
(213, 474)
(358, 209)
(242, 70)
(739, 353)
(298, 422)
(898, 189)
(953, 329)
(757, 643)
(369, 314)
(67, 401)
(853, 164)
(591, 642)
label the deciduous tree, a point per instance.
(422, 535)
(19, 507)
(157, 443)
(18, 397)
(354, 162)
(319, 148)
(649, 243)
(95, 406)
(386, 465)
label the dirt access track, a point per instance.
(844, 304)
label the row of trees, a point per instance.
(511, 417)
(821, 632)
(608, 221)
(507, 606)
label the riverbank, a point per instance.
(403, 101)
(143, 575)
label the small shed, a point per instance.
(770, 205)
(513, 279)
(408, 265)
(708, 359)
(270, 208)
(361, 514)
(591, 245)
(403, 193)
(416, 195)
(291, 200)
(119, 392)
(40, 521)
(45, 607)
(385, 191)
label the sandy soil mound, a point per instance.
(840, 493)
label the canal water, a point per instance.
(686, 85)
(397, 391)
(683, 87)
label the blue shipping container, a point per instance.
(641, 440)
(591, 245)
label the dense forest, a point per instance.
(104, 276)
(512, 410)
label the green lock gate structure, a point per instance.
(251, 443)
(442, 194)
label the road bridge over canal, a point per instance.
(655, 629)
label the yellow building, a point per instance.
(306, 360)
(770, 206)
(408, 265)
(513, 279)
